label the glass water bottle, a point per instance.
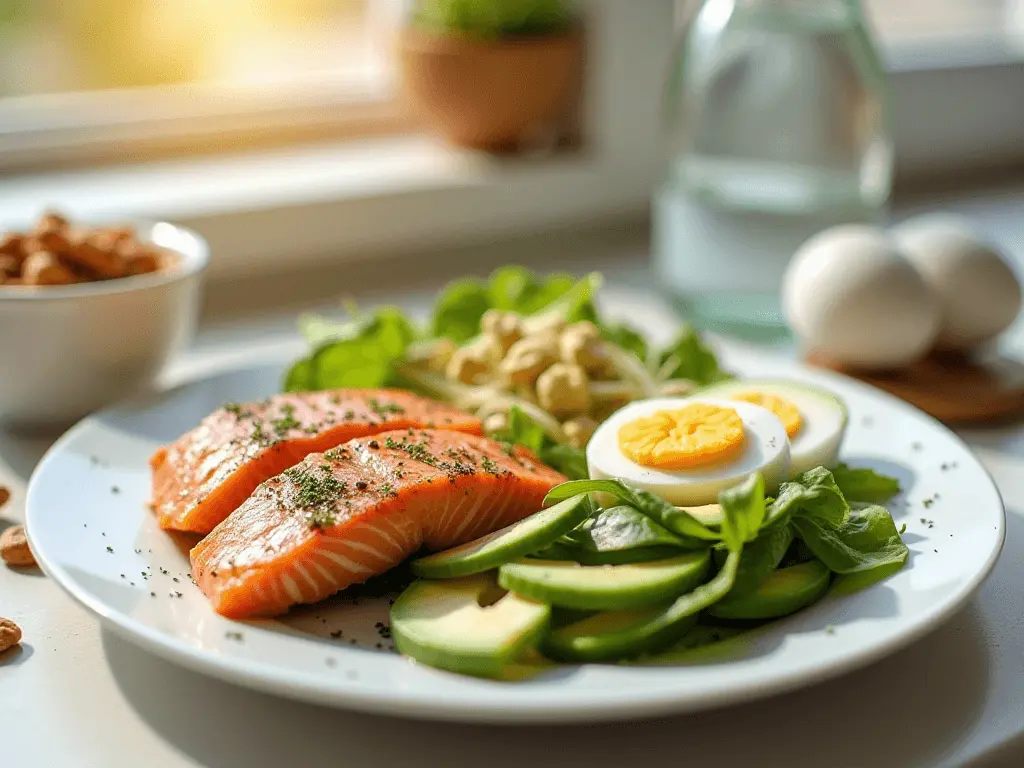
(777, 124)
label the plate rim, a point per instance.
(626, 706)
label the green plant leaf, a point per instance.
(460, 306)
(744, 511)
(865, 485)
(517, 289)
(458, 310)
(620, 528)
(358, 354)
(866, 546)
(760, 559)
(490, 19)
(814, 494)
(570, 461)
(626, 337)
(577, 302)
(300, 377)
(688, 357)
(662, 512)
(522, 430)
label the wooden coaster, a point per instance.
(953, 389)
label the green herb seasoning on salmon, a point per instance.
(340, 517)
(208, 472)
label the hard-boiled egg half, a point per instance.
(815, 420)
(687, 450)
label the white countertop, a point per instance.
(76, 695)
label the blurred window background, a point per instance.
(68, 46)
(154, 72)
(62, 46)
(157, 74)
(942, 21)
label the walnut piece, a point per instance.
(43, 268)
(14, 547)
(10, 634)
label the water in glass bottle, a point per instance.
(777, 126)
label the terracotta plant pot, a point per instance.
(488, 94)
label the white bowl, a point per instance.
(66, 351)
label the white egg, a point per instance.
(979, 293)
(823, 419)
(851, 296)
(765, 449)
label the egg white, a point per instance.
(822, 413)
(765, 449)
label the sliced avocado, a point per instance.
(454, 625)
(627, 634)
(710, 515)
(786, 591)
(563, 551)
(610, 636)
(530, 665)
(605, 587)
(510, 543)
(704, 642)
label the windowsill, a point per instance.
(329, 203)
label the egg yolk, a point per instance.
(785, 410)
(692, 436)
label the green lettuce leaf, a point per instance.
(865, 485)
(570, 461)
(625, 337)
(524, 431)
(458, 310)
(460, 306)
(662, 512)
(814, 494)
(358, 353)
(300, 377)
(688, 357)
(866, 547)
(576, 303)
(517, 289)
(760, 559)
(619, 528)
(744, 511)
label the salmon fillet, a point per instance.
(208, 472)
(340, 517)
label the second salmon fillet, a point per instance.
(358, 510)
(208, 472)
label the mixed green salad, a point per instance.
(530, 355)
(608, 571)
(638, 579)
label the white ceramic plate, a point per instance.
(92, 532)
